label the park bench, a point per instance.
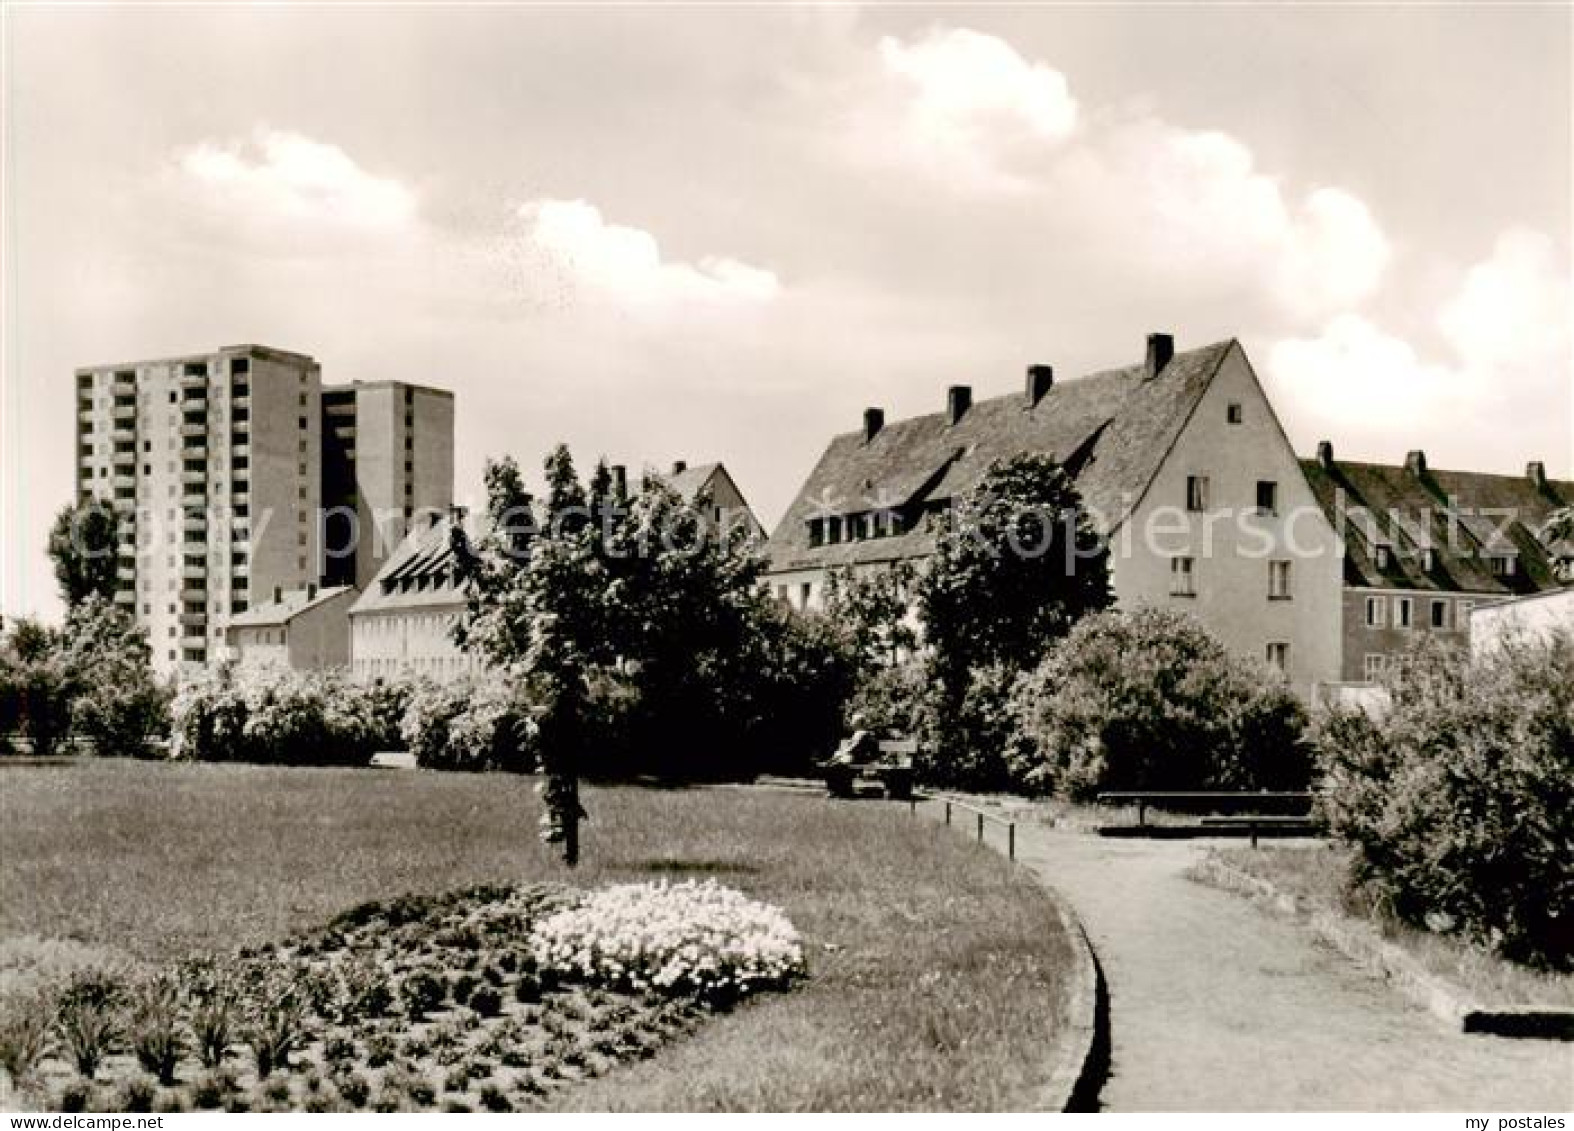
(1253, 814)
(893, 769)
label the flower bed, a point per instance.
(698, 939)
(486, 999)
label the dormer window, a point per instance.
(1502, 565)
(833, 532)
(1428, 559)
(816, 532)
(1383, 555)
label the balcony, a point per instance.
(124, 412)
(124, 482)
(193, 430)
(198, 478)
(193, 380)
(126, 573)
(190, 619)
(85, 414)
(194, 572)
(125, 597)
(240, 401)
(194, 404)
(123, 385)
(122, 435)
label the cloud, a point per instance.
(1506, 328)
(278, 175)
(970, 98)
(624, 264)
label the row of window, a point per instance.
(1183, 578)
(855, 527)
(1199, 490)
(1400, 612)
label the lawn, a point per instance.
(1315, 875)
(934, 969)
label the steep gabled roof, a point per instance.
(1465, 517)
(689, 482)
(1111, 430)
(291, 604)
(420, 573)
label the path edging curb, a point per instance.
(1078, 1071)
(1364, 947)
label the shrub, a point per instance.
(421, 992)
(214, 1010)
(158, 1035)
(1147, 700)
(276, 716)
(88, 1014)
(467, 725)
(275, 1021)
(136, 1094)
(1459, 802)
(353, 1089)
(495, 1099)
(116, 702)
(486, 1001)
(24, 1037)
(699, 939)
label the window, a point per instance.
(1428, 559)
(833, 532)
(816, 532)
(1376, 612)
(1234, 414)
(1279, 656)
(1439, 614)
(1183, 577)
(1373, 666)
(1279, 580)
(1384, 555)
(1502, 565)
(1402, 612)
(1196, 492)
(804, 591)
(1267, 497)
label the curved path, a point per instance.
(1216, 1005)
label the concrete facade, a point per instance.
(306, 629)
(388, 459)
(211, 461)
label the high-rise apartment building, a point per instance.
(213, 463)
(388, 456)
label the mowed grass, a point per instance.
(1316, 875)
(936, 969)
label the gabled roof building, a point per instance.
(1180, 461)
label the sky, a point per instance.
(718, 233)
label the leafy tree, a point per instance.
(1148, 700)
(84, 544)
(874, 608)
(35, 686)
(1558, 536)
(116, 701)
(1018, 563)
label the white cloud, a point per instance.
(1506, 324)
(625, 265)
(279, 175)
(972, 97)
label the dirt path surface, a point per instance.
(1216, 1005)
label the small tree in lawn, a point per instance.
(118, 703)
(1017, 564)
(84, 544)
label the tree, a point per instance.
(84, 544)
(35, 686)
(875, 610)
(1017, 565)
(1558, 536)
(116, 700)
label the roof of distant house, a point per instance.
(1111, 430)
(293, 602)
(421, 573)
(1466, 518)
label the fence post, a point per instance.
(948, 814)
(980, 828)
(1011, 841)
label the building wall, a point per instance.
(1360, 640)
(1231, 546)
(408, 641)
(180, 454)
(1537, 616)
(260, 646)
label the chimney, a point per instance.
(1415, 463)
(1325, 455)
(278, 594)
(433, 517)
(1161, 347)
(874, 420)
(457, 513)
(679, 467)
(959, 398)
(1536, 472)
(311, 590)
(620, 481)
(1039, 380)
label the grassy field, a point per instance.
(935, 971)
(1315, 873)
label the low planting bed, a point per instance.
(487, 999)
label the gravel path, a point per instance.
(1216, 1005)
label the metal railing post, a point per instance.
(980, 828)
(1011, 841)
(948, 814)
